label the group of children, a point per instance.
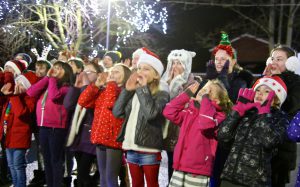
(219, 131)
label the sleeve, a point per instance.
(227, 129)
(37, 89)
(176, 86)
(71, 98)
(174, 110)
(272, 130)
(22, 105)
(122, 101)
(293, 130)
(151, 107)
(88, 97)
(209, 117)
(111, 95)
(54, 93)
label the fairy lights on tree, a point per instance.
(72, 24)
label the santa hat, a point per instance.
(27, 79)
(276, 84)
(293, 64)
(17, 65)
(224, 45)
(139, 51)
(151, 59)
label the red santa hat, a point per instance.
(27, 79)
(139, 51)
(151, 59)
(276, 84)
(17, 65)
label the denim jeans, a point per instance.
(17, 165)
(141, 159)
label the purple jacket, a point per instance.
(196, 146)
(293, 132)
(55, 114)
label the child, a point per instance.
(141, 104)
(255, 127)
(42, 67)
(195, 150)
(52, 118)
(16, 119)
(102, 96)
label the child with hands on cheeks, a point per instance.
(255, 128)
(16, 129)
(101, 96)
(198, 119)
(141, 104)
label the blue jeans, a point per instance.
(17, 165)
(142, 159)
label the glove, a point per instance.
(225, 68)
(211, 72)
(244, 101)
(265, 108)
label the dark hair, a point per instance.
(44, 62)
(98, 68)
(68, 77)
(288, 50)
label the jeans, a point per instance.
(141, 159)
(17, 165)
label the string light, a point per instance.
(135, 15)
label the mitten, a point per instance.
(244, 101)
(211, 72)
(265, 108)
(225, 68)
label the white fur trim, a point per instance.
(14, 66)
(24, 81)
(274, 85)
(152, 61)
(293, 64)
(138, 52)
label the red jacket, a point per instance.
(18, 134)
(105, 127)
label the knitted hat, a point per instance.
(151, 59)
(25, 57)
(77, 61)
(224, 45)
(27, 79)
(276, 84)
(114, 55)
(17, 65)
(139, 51)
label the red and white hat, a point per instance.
(27, 79)
(151, 59)
(17, 65)
(276, 84)
(139, 51)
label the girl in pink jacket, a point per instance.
(198, 119)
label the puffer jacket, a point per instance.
(196, 146)
(255, 138)
(150, 119)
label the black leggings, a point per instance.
(84, 164)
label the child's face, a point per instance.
(147, 72)
(177, 67)
(91, 72)
(117, 74)
(41, 70)
(8, 68)
(278, 61)
(220, 59)
(261, 94)
(107, 62)
(58, 71)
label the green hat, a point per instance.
(224, 39)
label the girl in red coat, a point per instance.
(16, 119)
(101, 96)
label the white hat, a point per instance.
(151, 59)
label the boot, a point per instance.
(38, 179)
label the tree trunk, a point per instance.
(271, 26)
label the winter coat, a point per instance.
(254, 140)
(18, 133)
(55, 114)
(293, 132)
(150, 119)
(82, 140)
(196, 146)
(105, 126)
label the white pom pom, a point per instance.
(269, 61)
(293, 64)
